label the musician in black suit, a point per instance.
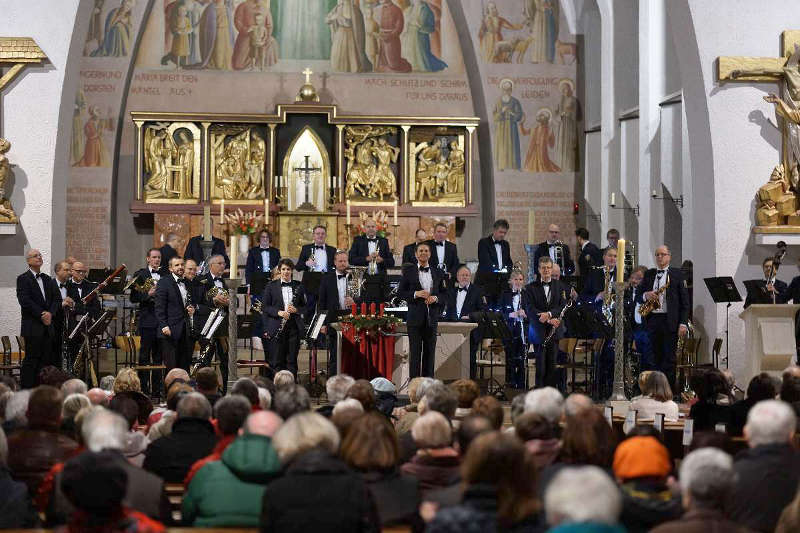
(262, 258)
(77, 288)
(634, 298)
(410, 250)
(464, 299)
(61, 277)
(779, 288)
(39, 300)
(514, 304)
(555, 250)
(546, 299)
(669, 321)
(207, 302)
(444, 254)
(594, 284)
(421, 287)
(175, 315)
(194, 250)
(588, 255)
(316, 256)
(284, 299)
(168, 251)
(334, 301)
(370, 247)
(494, 252)
(150, 347)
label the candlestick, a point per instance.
(394, 236)
(222, 211)
(395, 212)
(348, 213)
(620, 260)
(207, 222)
(234, 256)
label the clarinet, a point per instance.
(284, 320)
(65, 366)
(560, 318)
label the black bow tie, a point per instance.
(545, 284)
(286, 283)
(216, 279)
(424, 269)
(439, 244)
(516, 293)
(340, 276)
(37, 276)
(62, 285)
(463, 289)
(154, 272)
(180, 280)
(661, 272)
(372, 239)
(318, 247)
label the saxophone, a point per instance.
(608, 298)
(651, 305)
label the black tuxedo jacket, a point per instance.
(410, 253)
(538, 302)
(32, 303)
(588, 257)
(487, 256)
(255, 262)
(633, 296)
(677, 297)
(360, 250)
(306, 253)
(782, 297)
(147, 303)
(450, 256)
(167, 253)
(272, 302)
(195, 251)
(93, 308)
(507, 305)
(473, 302)
(543, 250)
(200, 287)
(418, 312)
(328, 298)
(170, 310)
(595, 282)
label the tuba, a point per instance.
(355, 281)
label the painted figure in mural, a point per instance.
(372, 40)
(542, 139)
(181, 27)
(544, 29)
(216, 36)
(118, 35)
(348, 50)
(567, 139)
(94, 152)
(263, 46)
(194, 10)
(391, 26)
(95, 32)
(385, 180)
(78, 140)
(186, 163)
(491, 32)
(301, 28)
(249, 30)
(507, 115)
(420, 23)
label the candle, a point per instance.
(381, 309)
(222, 211)
(348, 212)
(531, 225)
(353, 309)
(395, 212)
(234, 256)
(372, 308)
(620, 260)
(207, 222)
(613, 200)
(266, 211)
(363, 308)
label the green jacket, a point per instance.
(228, 493)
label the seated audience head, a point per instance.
(641, 457)
(587, 439)
(264, 398)
(432, 430)
(470, 427)
(362, 391)
(17, 407)
(706, 479)
(345, 413)
(790, 389)
(658, 387)
(730, 379)
(643, 381)
(194, 405)
(265, 423)
(283, 378)
(791, 370)
(104, 430)
(73, 386)
(265, 383)
(290, 400)
(52, 376)
(711, 439)
(126, 407)
(709, 385)
(95, 483)
(467, 391)
(127, 380)
(206, 380)
(491, 408)
(770, 422)
(422, 387)
(761, 387)
(413, 389)
(246, 387)
(440, 398)
(337, 386)
(533, 426)
(546, 401)
(176, 392)
(176, 375)
(107, 383)
(72, 404)
(44, 408)
(304, 432)
(576, 402)
(582, 495)
(9, 382)
(371, 444)
(517, 407)
(231, 412)
(82, 415)
(97, 396)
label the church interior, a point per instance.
(568, 217)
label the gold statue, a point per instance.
(438, 172)
(369, 158)
(238, 163)
(456, 175)
(777, 203)
(385, 182)
(186, 163)
(7, 215)
(160, 148)
(173, 167)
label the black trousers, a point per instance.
(664, 342)
(150, 354)
(421, 350)
(177, 352)
(38, 353)
(283, 351)
(474, 345)
(332, 353)
(221, 350)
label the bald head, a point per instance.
(264, 423)
(34, 259)
(79, 271)
(97, 397)
(663, 256)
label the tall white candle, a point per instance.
(234, 256)
(348, 212)
(395, 212)
(222, 211)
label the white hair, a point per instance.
(3, 448)
(582, 494)
(770, 422)
(348, 404)
(193, 405)
(283, 378)
(264, 398)
(547, 402)
(577, 403)
(107, 383)
(707, 477)
(303, 432)
(17, 406)
(104, 430)
(432, 430)
(336, 387)
(74, 403)
(73, 386)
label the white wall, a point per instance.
(34, 109)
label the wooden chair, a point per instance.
(175, 493)
(582, 357)
(8, 367)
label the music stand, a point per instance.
(115, 286)
(723, 291)
(757, 292)
(311, 281)
(312, 333)
(492, 283)
(375, 288)
(491, 325)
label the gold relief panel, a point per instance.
(171, 157)
(372, 163)
(237, 161)
(297, 230)
(436, 169)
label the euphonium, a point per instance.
(355, 281)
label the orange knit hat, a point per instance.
(641, 457)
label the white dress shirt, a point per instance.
(662, 279)
(637, 317)
(440, 252)
(264, 260)
(426, 280)
(320, 259)
(62, 290)
(155, 275)
(341, 286)
(551, 249)
(515, 301)
(287, 296)
(546, 290)
(372, 246)
(182, 288)
(79, 287)
(40, 283)
(499, 251)
(218, 282)
(461, 296)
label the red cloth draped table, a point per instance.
(369, 356)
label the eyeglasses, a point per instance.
(663, 255)
(80, 271)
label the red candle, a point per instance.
(353, 309)
(380, 312)
(372, 308)
(363, 308)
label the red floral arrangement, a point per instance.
(244, 223)
(370, 323)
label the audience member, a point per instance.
(336, 390)
(437, 397)
(706, 482)
(761, 387)
(491, 408)
(9, 382)
(73, 386)
(769, 471)
(576, 403)
(370, 447)
(657, 400)
(641, 466)
(136, 442)
(52, 376)
(192, 438)
(247, 387)
(264, 382)
(362, 391)
(547, 402)
(175, 376)
(290, 400)
(227, 491)
(707, 412)
(641, 382)
(469, 429)
(583, 499)
(163, 426)
(16, 411)
(283, 378)
(406, 416)
(467, 392)
(345, 412)
(385, 395)
(710, 439)
(207, 384)
(107, 383)
(72, 404)
(790, 392)
(264, 398)
(34, 449)
(540, 438)
(517, 408)
(97, 396)
(16, 511)
(314, 478)
(499, 489)
(436, 463)
(127, 380)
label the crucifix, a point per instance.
(305, 172)
(308, 72)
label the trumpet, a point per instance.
(559, 255)
(372, 269)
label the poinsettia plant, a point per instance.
(244, 223)
(381, 219)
